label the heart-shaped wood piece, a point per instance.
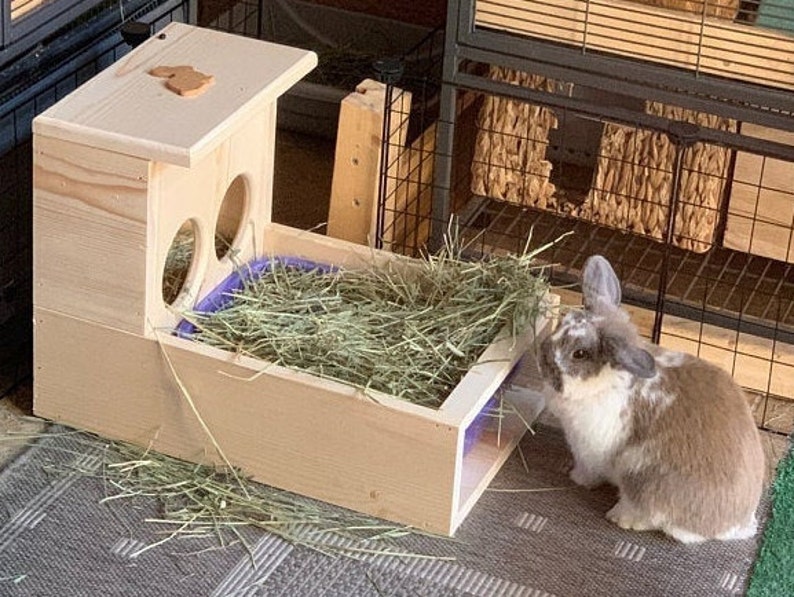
(183, 80)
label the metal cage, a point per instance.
(647, 150)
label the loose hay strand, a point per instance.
(186, 395)
(411, 331)
(200, 501)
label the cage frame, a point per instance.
(760, 107)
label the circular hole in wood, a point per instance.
(180, 263)
(229, 225)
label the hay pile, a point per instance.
(410, 332)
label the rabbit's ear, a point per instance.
(600, 284)
(630, 357)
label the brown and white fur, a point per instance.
(674, 433)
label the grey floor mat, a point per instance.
(56, 539)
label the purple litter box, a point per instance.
(222, 295)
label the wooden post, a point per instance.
(352, 214)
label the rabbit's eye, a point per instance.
(579, 354)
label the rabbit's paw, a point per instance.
(584, 477)
(627, 517)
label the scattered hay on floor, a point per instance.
(200, 502)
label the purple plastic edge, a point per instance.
(478, 424)
(220, 296)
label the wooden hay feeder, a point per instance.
(120, 165)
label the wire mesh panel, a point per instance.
(695, 214)
(405, 201)
(18, 107)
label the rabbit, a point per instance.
(672, 432)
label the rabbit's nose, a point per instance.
(573, 317)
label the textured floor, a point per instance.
(532, 534)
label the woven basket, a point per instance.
(509, 161)
(633, 181)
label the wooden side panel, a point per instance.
(758, 364)
(761, 209)
(89, 232)
(179, 194)
(104, 223)
(287, 429)
(352, 214)
(705, 44)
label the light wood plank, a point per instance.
(90, 232)
(284, 240)
(353, 211)
(127, 110)
(104, 223)
(672, 37)
(356, 183)
(761, 205)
